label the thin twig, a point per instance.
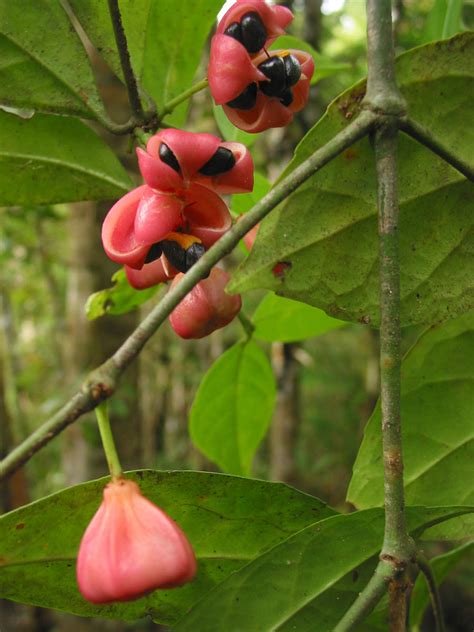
(426, 138)
(425, 568)
(187, 94)
(102, 382)
(128, 74)
(246, 323)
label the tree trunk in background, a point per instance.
(313, 23)
(89, 343)
(286, 418)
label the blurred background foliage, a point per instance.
(51, 261)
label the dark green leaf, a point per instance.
(438, 424)
(233, 407)
(228, 521)
(245, 201)
(44, 65)
(323, 67)
(50, 159)
(305, 583)
(281, 319)
(441, 567)
(165, 39)
(327, 230)
(118, 299)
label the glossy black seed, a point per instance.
(193, 254)
(286, 98)
(254, 33)
(175, 254)
(168, 157)
(274, 69)
(292, 70)
(246, 99)
(234, 30)
(155, 252)
(223, 160)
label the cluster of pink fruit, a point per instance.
(158, 232)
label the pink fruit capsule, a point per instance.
(130, 548)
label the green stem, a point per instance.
(108, 442)
(103, 380)
(246, 323)
(437, 606)
(173, 103)
(368, 598)
(426, 138)
(128, 74)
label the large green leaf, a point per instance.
(43, 64)
(233, 407)
(118, 299)
(228, 521)
(305, 583)
(51, 159)
(165, 38)
(284, 320)
(441, 566)
(438, 423)
(326, 231)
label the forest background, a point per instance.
(51, 262)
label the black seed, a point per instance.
(155, 252)
(234, 30)
(286, 98)
(246, 99)
(292, 70)
(193, 254)
(274, 69)
(223, 160)
(254, 33)
(175, 254)
(169, 158)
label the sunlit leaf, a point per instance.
(281, 319)
(233, 407)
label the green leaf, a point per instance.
(323, 66)
(435, 21)
(165, 40)
(118, 299)
(228, 521)
(452, 22)
(50, 159)
(233, 407)
(243, 202)
(305, 583)
(327, 229)
(441, 567)
(438, 424)
(229, 132)
(43, 63)
(281, 319)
